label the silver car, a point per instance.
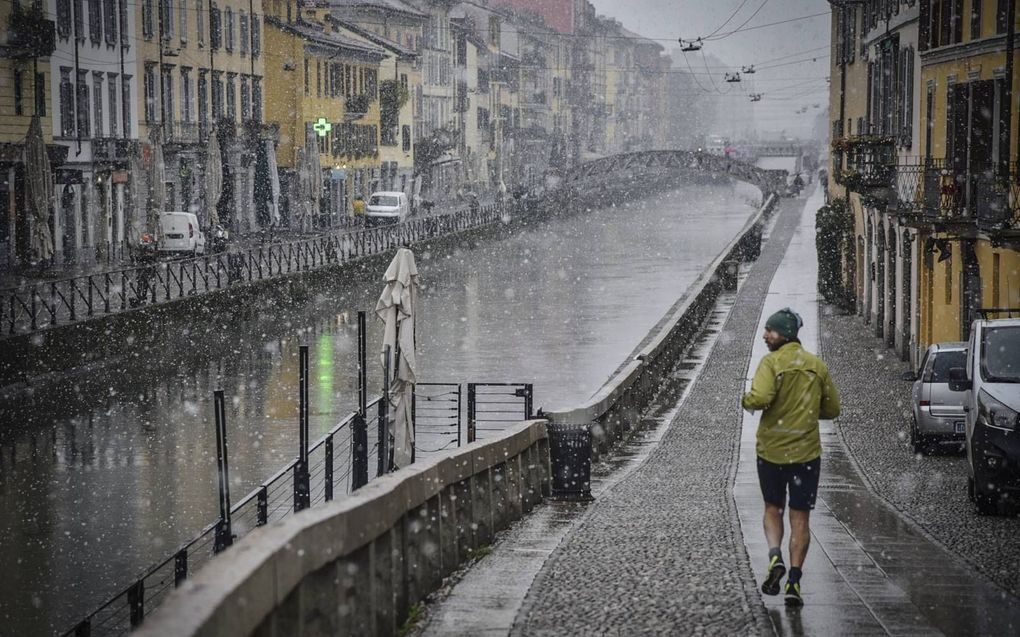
(938, 413)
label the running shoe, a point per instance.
(776, 571)
(793, 598)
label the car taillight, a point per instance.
(191, 231)
(924, 403)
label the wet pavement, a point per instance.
(106, 469)
(673, 542)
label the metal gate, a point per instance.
(493, 406)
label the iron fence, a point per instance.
(491, 406)
(39, 306)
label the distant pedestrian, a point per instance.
(359, 207)
(794, 389)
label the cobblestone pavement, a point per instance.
(667, 537)
(928, 489)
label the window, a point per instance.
(200, 21)
(975, 19)
(183, 19)
(149, 89)
(95, 22)
(82, 103)
(110, 21)
(243, 35)
(125, 32)
(113, 99)
(217, 95)
(256, 99)
(66, 103)
(256, 37)
(147, 18)
(167, 87)
(945, 361)
(97, 102)
(40, 94)
(18, 109)
(64, 18)
(125, 98)
(405, 135)
(231, 96)
(493, 30)
(318, 78)
(1001, 12)
(245, 99)
(167, 11)
(203, 98)
(215, 31)
(187, 114)
(79, 20)
(229, 20)
(307, 87)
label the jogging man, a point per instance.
(794, 389)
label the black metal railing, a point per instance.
(931, 191)
(335, 464)
(865, 162)
(39, 306)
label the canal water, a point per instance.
(107, 469)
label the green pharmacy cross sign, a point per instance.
(322, 127)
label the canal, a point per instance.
(107, 469)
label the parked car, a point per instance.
(938, 415)
(180, 234)
(386, 207)
(990, 380)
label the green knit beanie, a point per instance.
(785, 322)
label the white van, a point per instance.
(991, 381)
(180, 234)
(386, 207)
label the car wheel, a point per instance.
(987, 502)
(916, 440)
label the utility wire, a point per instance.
(742, 24)
(732, 15)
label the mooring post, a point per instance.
(359, 432)
(302, 490)
(224, 535)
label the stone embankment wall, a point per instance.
(614, 410)
(356, 566)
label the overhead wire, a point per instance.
(742, 24)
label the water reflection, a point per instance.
(107, 469)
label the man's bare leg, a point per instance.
(800, 537)
(773, 523)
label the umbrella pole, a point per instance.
(384, 417)
(359, 437)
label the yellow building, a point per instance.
(324, 91)
(925, 154)
(968, 191)
(24, 81)
(201, 67)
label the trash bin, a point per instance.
(570, 455)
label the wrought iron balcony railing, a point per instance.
(931, 191)
(864, 163)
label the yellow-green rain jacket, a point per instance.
(794, 389)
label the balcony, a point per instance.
(183, 133)
(930, 192)
(112, 150)
(865, 163)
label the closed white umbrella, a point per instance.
(396, 308)
(315, 172)
(213, 179)
(39, 184)
(274, 182)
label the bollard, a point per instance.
(359, 427)
(302, 487)
(224, 536)
(570, 456)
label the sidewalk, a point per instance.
(674, 545)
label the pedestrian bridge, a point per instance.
(652, 161)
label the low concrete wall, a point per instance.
(357, 565)
(617, 406)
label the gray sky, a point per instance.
(786, 88)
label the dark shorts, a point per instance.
(801, 478)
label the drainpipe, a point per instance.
(1007, 115)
